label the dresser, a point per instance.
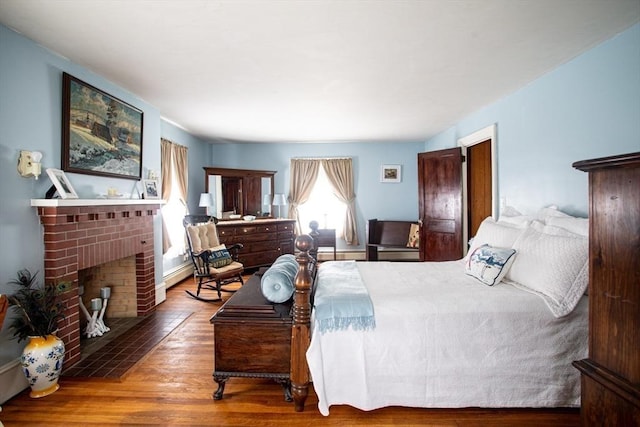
(611, 373)
(264, 240)
(252, 338)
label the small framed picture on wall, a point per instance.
(391, 173)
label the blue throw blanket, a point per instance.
(341, 299)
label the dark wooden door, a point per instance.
(479, 194)
(440, 204)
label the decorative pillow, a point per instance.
(220, 256)
(555, 267)
(489, 264)
(496, 234)
(414, 236)
(277, 283)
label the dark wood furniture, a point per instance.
(611, 373)
(323, 237)
(263, 240)
(208, 277)
(388, 234)
(252, 338)
(242, 189)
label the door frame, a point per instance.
(482, 135)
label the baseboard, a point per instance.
(177, 274)
(161, 292)
(12, 379)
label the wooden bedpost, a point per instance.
(314, 233)
(300, 334)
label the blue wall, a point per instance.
(30, 119)
(373, 198)
(587, 108)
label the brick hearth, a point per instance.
(79, 234)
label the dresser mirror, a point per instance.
(240, 192)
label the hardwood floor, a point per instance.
(172, 385)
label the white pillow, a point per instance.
(496, 234)
(489, 264)
(550, 212)
(554, 267)
(513, 216)
(520, 220)
(573, 224)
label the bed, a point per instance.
(452, 334)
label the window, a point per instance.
(173, 212)
(323, 206)
(174, 190)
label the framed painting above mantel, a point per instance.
(101, 135)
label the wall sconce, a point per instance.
(206, 201)
(279, 200)
(29, 164)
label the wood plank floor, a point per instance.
(172, 385)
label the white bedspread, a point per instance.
(443, 339)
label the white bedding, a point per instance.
(443, 339)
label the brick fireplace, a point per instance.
(79, 234)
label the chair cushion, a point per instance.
(234, 267)
(203, 236)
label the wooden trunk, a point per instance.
(252, 338)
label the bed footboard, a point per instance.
(301, 334)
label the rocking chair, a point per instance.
(214, 265)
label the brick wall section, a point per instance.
(79, 237)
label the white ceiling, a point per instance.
(323, 70)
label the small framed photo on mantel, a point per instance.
(150, 189)
(61, 184)
(391, 173)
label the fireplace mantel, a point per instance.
(93, 202)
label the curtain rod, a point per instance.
(321, 158)
(174, 143)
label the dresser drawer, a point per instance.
(256, 237)
(225, 232)
(286, 227)
(255, 259)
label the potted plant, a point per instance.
(37, 310)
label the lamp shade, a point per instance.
(279, 200)
(206, 200)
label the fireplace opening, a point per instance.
(109, 295)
